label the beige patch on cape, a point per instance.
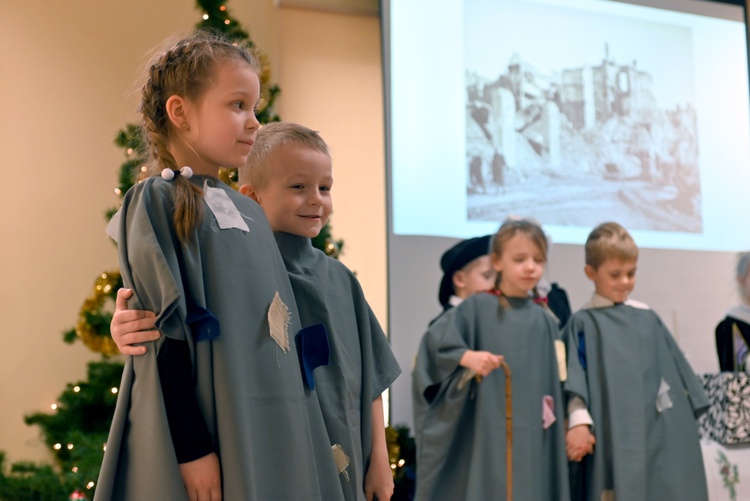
(562, 360)
(278, 322)
(341, 459)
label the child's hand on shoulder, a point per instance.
(481, 362)
(579, 441)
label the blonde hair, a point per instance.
(257, 170)
(610, 241)
(511, 228)
(185, 70)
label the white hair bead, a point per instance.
(186, 172)
(167, 174)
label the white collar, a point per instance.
(598, 301)
(455, 300)
(740, 312)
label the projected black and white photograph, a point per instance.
(575, 116)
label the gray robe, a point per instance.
(361, 365)
(267, 429)
(460, 428)
(618, 359)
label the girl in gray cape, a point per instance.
(460, 399)
(217, 408)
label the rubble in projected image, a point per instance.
(578, 145)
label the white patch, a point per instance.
(341, 460)
(562, 360)
(278, 322)
(663, 402)
(113, 226)
(226, 213)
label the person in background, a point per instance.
(733, 332)
(466, 270)
(630, 386)
(459, 395)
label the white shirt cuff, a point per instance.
(578, 414)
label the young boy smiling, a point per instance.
(631, 387)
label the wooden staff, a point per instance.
(508, 432)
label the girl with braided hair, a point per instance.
(217, 408)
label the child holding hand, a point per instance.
(460, 418)
(631, 387)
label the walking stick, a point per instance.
(508, 432)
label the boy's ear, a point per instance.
(590, 272)
(248, 191)
(177, 111)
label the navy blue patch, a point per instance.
(203, 324)
(314, 351)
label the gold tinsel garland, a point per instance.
(98, 339)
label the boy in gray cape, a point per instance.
(630, 386)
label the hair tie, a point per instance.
(169, 174)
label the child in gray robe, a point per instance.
(460, 397)
(630, 386)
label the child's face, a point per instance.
(521, 265)
(477, 276)
(220, 128)
(297, 198)
(614, 279)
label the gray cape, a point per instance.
(460, 429)
(267, 430)
(641, 453)
(361, 365)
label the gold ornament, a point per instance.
(331, 248)
(98, 338)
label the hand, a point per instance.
(481, 362)
(379, 479)
(202, 478)
(579, 441)
(129, 327)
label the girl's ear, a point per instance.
(497, 264)
(177, 111)
(249, 191)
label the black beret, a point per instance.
(456, 258)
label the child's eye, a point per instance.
(239, 105)
(325, 188)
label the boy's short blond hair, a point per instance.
(610, 241)
(271, 137)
